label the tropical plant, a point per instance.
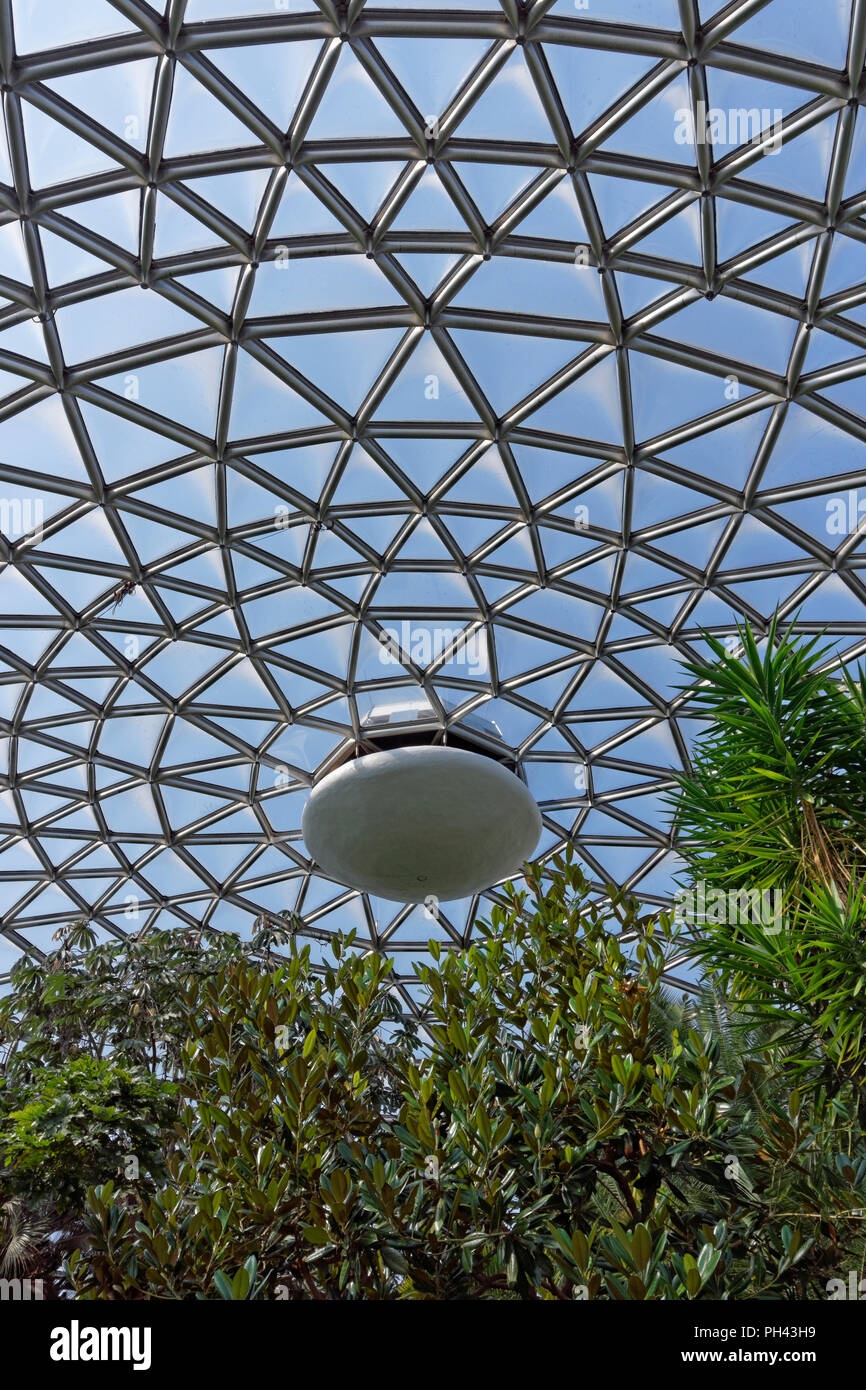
(557, 1128)
(90, 1038)
(77, 1121)
(116, 999)
(776, 796)
(775, 803)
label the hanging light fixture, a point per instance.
(411, 818)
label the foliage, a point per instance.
(776, 799)
(79, 1120)
(23, 1238)
(90, 1037)
(776, 796)
(119, 998)
(552, 1125)
(548, 1134)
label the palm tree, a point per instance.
(776, 800)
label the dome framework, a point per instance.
(481, 357)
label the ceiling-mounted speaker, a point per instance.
(416, 822)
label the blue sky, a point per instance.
(588, 469)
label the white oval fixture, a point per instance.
(412, 823)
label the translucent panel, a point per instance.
(198, 121)
(186, 389)
(55, 153)
(312, 284)
(533, 287)
(788, 272)
(809, 447)
(344, 365)
(177, 232)
(115, 217)
(558, 216)
(847, 265)
(276, 72)
(266, 405)
(505, 376)
(14, 252)
(192, 494)
(118, 97)
(427, 387)
(64, 261)
(216, 286)
(589, 407)
(40, 439)
(744, 110)
(301, 213)
(799, 28)
(493, 187)
(590, 80)
(724, 452)
(800, 164)
(226, 9)
(238, 196)
(451, 5)
(657, 499)
(621, 201)
(688, 394)
(510, 108)
(362, 480)
(659, 12)
(123, 447)
(677, 239)
(735, 330)
(100, 326)
(353, 105)
(431, 84)
(662, 129)
(428, 271)
(38, 25)
(365, 185)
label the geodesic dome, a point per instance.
(469, 358)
